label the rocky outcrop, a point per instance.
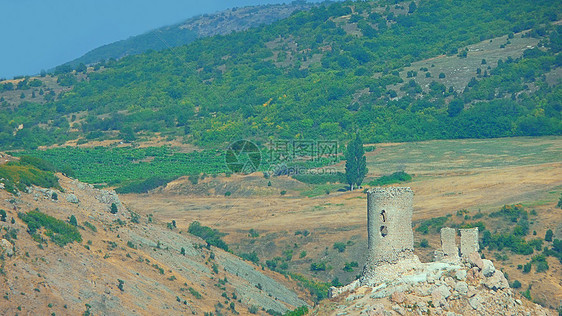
(440, 288)
(6, 248)
(465, 284)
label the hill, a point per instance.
(224, 22)
(324, 73)
(76, 249)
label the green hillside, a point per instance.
(223, 22)
(323, 73)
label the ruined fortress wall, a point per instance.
(389, 217)
(469, 241)
(448, 242)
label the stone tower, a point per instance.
(389, 225)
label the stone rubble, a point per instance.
(455, 284)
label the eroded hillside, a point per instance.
(123, 263)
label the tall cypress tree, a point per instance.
(356, 163)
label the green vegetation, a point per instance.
(61, 233)
(433, 225)
(320, 178)
(318, 266)
(195, 294)
(253, 257)
(121, 284)
(210, 235)
(319, 290)
(135, 169)
(301, 311)
(91, 226)
(548, 235)
(355, 163)
(340, 246)
(397, 177)
(72, 220)
(348, 267)
(19, 175)
(342, 79)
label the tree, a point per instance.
(356, 163)
(412, 7)
(2, 215)
(455, 107)
(548, 235)
(113, 208)
(182, 251)
(73, 220)
(120, 286)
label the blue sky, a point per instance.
(41, 34)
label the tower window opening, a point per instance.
(384, 231)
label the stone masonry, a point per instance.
(389, 224)
(448, 243)
(390, 252)
(469, 241)
(394, 281)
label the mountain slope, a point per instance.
(224, 22)
(323, 73)
(123, 263)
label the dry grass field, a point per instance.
(449, 175)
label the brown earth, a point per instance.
(341, 217)
(42, 278)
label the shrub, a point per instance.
(348, 267)
(73, 220)
(321, 266)
(61, 233)
(548, 235)
(301, 311)
(339, 246)
(434, 223)
(397, 177)
(3, 215)
(90, 226)
(211, 236)
(193, 178)
(113, 209)
(317, 289)
(253, 257)
(338, 177)
(18, 176)
(516, 284)
(195, 294)
(424, 243)
(253, 309)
